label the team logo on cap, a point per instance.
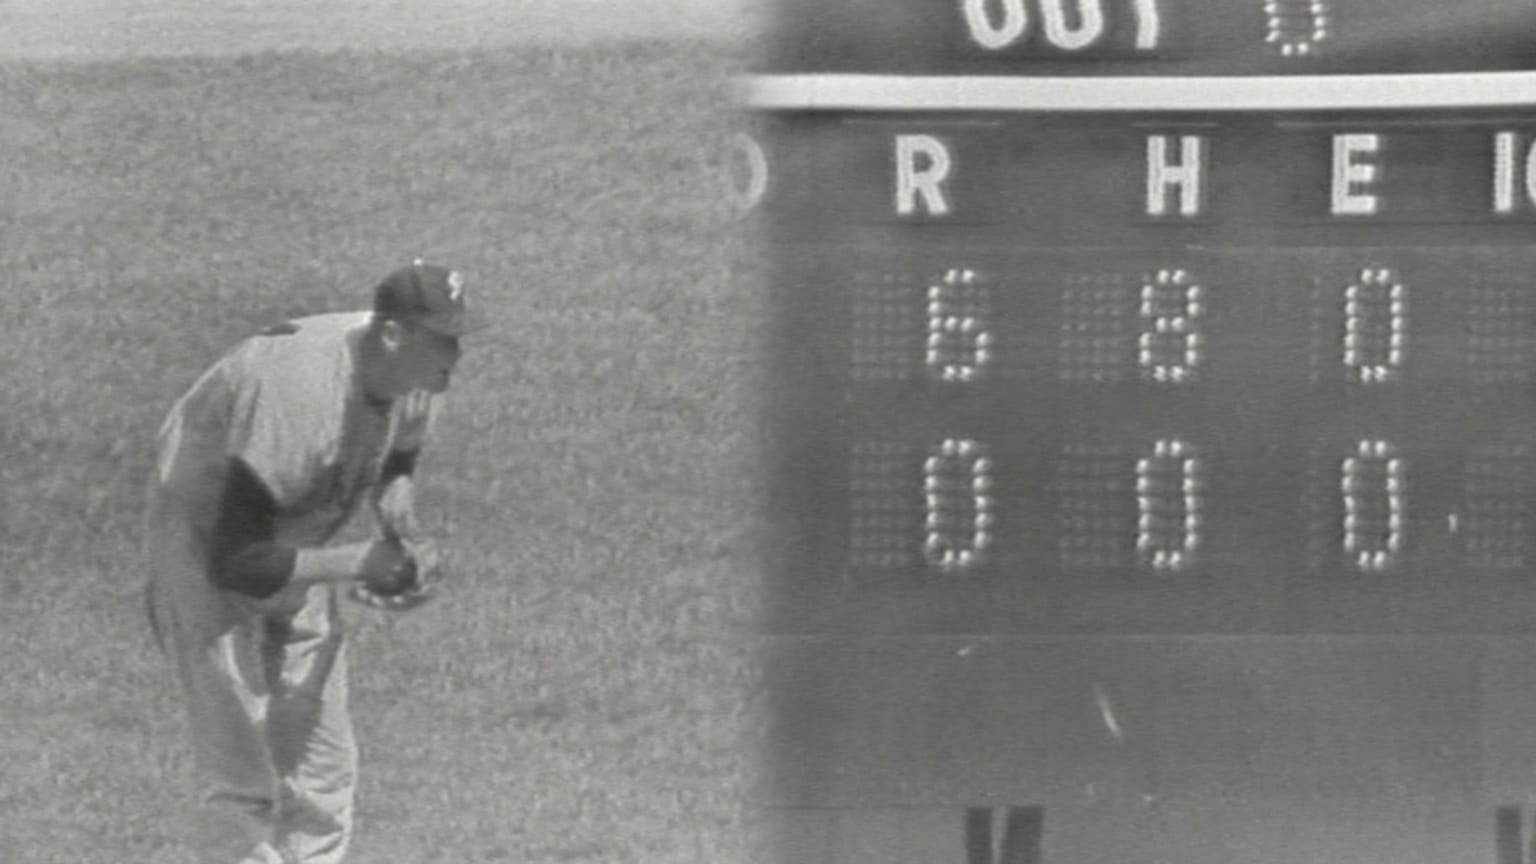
(455, 286)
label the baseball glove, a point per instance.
(406, 586)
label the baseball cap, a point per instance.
(429, 295)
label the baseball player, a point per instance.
(259, 465)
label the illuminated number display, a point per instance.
(1367, 407)
(1217, 331)
(1241, 355)
(1051, 356)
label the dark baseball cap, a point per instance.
(428, 295)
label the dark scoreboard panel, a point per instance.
(1275, 430)
(1153, 430)
(1152, 37)
(1046, 383)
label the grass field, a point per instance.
(124, 28)
(584, 692)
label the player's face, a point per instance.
(424, 359)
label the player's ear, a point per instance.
(391, 334)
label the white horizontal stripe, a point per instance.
(1151, 93)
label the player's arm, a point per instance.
(394, 496)
(247, 558)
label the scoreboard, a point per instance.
(1153, 427)
(1275, 360)
(1045, 356)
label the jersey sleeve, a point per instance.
(258, 440)
(245, 555)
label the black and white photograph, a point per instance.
(768, 431)
(377, 413)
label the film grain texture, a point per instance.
(582, 691)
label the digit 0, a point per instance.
(1295, 28)
(957, 488)
(1375, 326)
(1170, 506)
(1373, 486)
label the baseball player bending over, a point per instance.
(260, 464)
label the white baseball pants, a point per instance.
(265, 686)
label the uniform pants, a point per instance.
(265, 686)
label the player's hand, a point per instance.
(400, 575)
(388, 567)
(427, 558)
